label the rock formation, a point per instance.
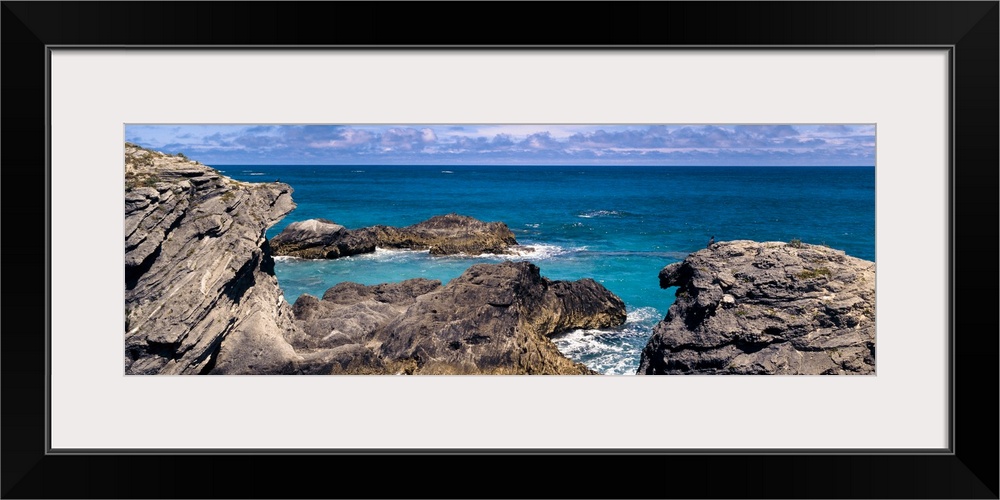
(321, 239)
(350, 313)
(493, 319)
(334, 334)
(201, 296)
(448, 234)
(200, 293)
(496, 318)
(745, 307)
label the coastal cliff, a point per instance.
(200, 291)
(448, 234)
(746, 307)
(201, 296)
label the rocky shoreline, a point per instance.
(201, 296)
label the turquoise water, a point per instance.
(618, 225)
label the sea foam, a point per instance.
(602, 213)
(389, 255)
(643, 315)
(532, 251)
(611, 351)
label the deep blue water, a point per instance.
(618, 224)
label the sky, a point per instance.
(544, 144)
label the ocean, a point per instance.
(616, 224)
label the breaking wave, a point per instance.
(603, 213)
(611, 351)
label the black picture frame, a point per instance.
(968, 470)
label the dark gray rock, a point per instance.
(745, 307)
(321, 239)
(496, 319)
(493, 319)
(348, 359)
(350, 313)
(448, 234)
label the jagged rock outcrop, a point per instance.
(493, 319)
(448, 234)
(321, 239)
(200, 292)
(745, 307)
(350, 313)
(496, 318)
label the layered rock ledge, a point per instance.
(200, 292)
(201, 296)
(448, 234)
(744, 307)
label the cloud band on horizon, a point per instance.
(492, 144)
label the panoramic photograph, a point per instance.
(499, 249)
